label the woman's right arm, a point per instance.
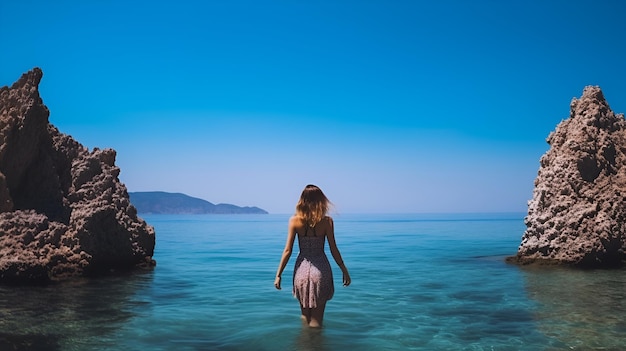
(334, 250)
(291, 236)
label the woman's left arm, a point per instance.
(291, 236)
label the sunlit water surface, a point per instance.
(420, 282)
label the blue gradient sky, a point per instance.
(389, 106)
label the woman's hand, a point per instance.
(277, 282)
(346, 278)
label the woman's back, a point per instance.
(321, 228)
(311, 239)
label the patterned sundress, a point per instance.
(312, 275)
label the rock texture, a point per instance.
(63, 210)
(577, 215)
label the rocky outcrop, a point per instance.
(63, 210)
(577, 215)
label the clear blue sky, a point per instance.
(389, 106)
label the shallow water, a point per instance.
(420, 282)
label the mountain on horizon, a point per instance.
(160, 202)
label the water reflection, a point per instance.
(69, 316)
(310, 339)
(580, 309)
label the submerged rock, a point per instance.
(577, 215)
(63, 210)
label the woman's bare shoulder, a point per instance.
(327, 221)
(295, 220)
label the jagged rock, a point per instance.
(577, 215)
(63, 210)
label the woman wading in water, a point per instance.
(312, 276)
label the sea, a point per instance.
(419, 282)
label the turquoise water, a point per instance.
(420, 282)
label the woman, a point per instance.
(312, 276)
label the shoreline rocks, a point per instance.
(63, 211)
(577, 215)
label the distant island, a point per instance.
(159, 202)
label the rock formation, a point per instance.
(63, 210)
(577, 215)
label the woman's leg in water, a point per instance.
(316, 315)
(313, 317)
(306, 314)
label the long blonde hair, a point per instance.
(313, 205)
